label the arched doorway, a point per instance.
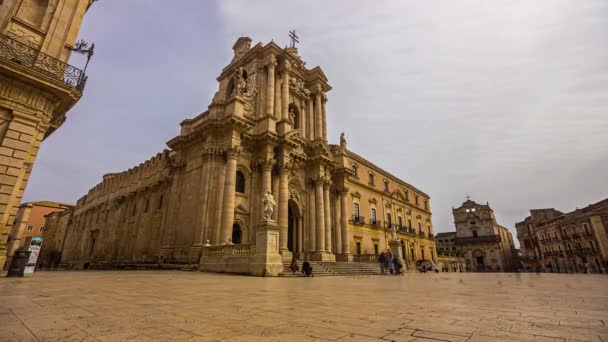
(294, 227)
(479, 259)
(237, 234)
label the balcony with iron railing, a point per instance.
(356, 219)
(375, 223)
(21, 54)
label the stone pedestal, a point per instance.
(266, 262)
(395, 247)
(283, 127)
(323, 256)
(286, 254)
(344, 257)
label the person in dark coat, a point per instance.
(382, 262)
(307, 269)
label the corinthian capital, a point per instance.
(271, 62)
(266, 163)
(233, 151)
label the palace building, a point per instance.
(574, 242)
(264, 131)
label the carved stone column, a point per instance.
(300, 235)
(323, 114)
(270, 89)
(283, 206)
(285, 92)
(337, 225)
(311, 119)
(229, 193)
(311, 246)
(266, 165)
(327, 206)
(319, 113)
(344, 225)
(320, 215)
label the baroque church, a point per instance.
(264, 131)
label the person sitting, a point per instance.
(307, 269)
(294, 266)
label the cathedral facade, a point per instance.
(265, 131)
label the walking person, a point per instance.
(391, 267)
(382, 261)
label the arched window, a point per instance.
(386, 185)
(240, 182)
(371, 179)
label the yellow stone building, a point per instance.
(265, 131)
(37, 88)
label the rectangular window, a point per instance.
(426, 205)
(373, 215)
(376, 248)
(358, 247)
(419, 226)
(388, 219)
(400, 222)
(416, 199)
(409, 223)
(30, 228)
(407, 195)
(357, 210)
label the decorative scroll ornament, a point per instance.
(251, 90)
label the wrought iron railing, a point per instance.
(22, 54)
(358, 219)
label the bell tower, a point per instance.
(37, 88)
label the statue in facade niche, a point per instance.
(269, 204)
(292, 116)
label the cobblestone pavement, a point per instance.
(192, 306)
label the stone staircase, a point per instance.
(321, 269)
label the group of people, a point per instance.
(306, 268)
(388, 262)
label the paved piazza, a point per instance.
(191, 306)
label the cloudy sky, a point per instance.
(506, 101)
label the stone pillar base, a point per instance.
(286, 254)
(323, 256)
(395, 247)
(344, 257)
(283, 127)
(266, 262)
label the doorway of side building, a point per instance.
(237, 234)
(479, 257)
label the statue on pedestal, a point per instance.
(269, 204)
(394, 233)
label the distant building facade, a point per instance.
(30, 222)
(574, 242)
(445, 242)
(486, 245)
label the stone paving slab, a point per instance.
(192, 306)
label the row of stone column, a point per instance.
(277, 101)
